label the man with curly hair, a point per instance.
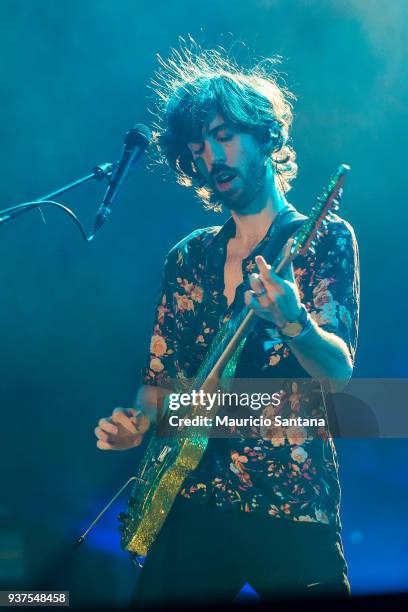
(263, 510)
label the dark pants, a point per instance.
(204, 554)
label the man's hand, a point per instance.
(273, 298)
(124, 429)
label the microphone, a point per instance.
(136, 141)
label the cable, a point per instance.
(15, 211)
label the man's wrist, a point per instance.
(292, 330)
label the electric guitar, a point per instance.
(168, 461)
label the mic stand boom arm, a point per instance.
(99, 172)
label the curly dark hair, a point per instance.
(193, 81)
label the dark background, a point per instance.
(76, 317)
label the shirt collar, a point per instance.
(227, 231)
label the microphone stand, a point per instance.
(99, 172)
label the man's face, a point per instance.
(231, 163)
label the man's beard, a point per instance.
(253, 181)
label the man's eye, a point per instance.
(225, 136)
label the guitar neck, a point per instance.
(247, 320)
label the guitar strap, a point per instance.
(284, 226)
(288, 222)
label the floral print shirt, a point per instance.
(285, 475)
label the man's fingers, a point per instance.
(261, 263)
(104, 445)
(256, 284)
(253, 302)
(133, 411)
(139, 419)
(120, 417)
(107, 426)
(117, 411)
(110, 431)
(267, 275)
(266, 271)
(264, 292)
(260, 291)
(142, 423)
(102, 435)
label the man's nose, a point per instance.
(215, 154)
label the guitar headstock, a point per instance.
(328, 202)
